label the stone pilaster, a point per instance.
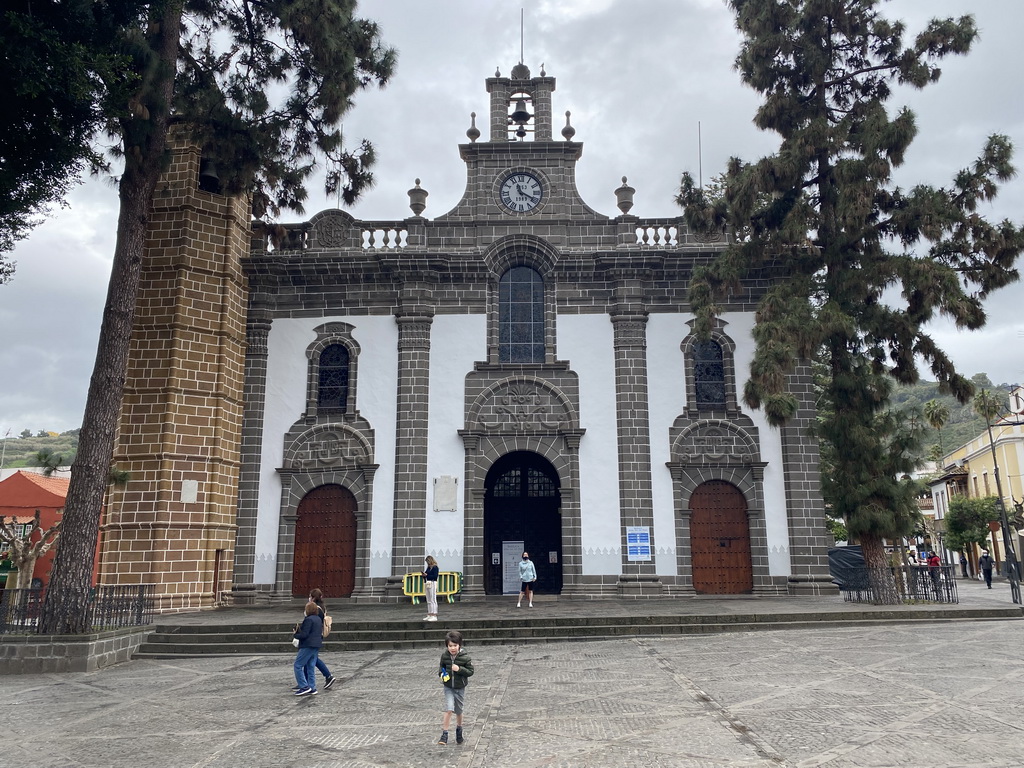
(633, 431)
(809, 539)
(257, 333)
(409, 533)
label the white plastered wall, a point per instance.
(456, 342)
(287, 370)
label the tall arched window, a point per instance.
(521, 316)
(332, 393)
(709, 375)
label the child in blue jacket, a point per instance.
(309, 637)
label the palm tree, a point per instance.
(937, 415)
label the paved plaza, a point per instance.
(940, 694)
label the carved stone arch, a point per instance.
(333, 228)
(514, 250)
(296, 483)
(728, 346)
(725, 450)
(327, 335)
(522, 403)
(328, 446)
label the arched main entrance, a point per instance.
(522, 505)
(325, 543)
(720, 540)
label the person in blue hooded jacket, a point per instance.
(309, 637)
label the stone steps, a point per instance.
(182, 641)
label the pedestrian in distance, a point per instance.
(985, 562)
(963, 564)
(317, 596)
(308, 638)
(527, 575)
(430, 588)
(455, 670)
(935, 571)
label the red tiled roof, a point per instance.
(28, 490)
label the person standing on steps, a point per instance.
(527, 575)
(430, 588)
(985, 562)
(317, 596)
(963, 564)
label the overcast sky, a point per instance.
(638, 77)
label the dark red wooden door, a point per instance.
(325, 543)
(720, 540)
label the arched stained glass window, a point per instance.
(332, 394)
(708, 375)
(521, 316)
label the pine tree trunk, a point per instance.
(66, 607)
(880, 575)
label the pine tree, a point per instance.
(262, 86)
(868, 264)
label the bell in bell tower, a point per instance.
(521, 105)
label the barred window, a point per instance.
(708, 375)
(521, 316)
(332, 393)
(537, 484)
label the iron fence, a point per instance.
(110, 607)
(914, 583)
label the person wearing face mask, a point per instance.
(527, 575)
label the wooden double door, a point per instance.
(720, 540)
(325, 543)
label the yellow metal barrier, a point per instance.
(449, 584)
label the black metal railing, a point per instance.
(110, 607)
(915, 583)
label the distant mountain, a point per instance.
(21, 451)
(963, 424)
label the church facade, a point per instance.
(519, 373)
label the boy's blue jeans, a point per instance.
(305, 667)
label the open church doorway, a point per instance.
(325, 543)
(720, 540)
(521, 504)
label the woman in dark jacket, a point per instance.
(309, 637)
(316, 596)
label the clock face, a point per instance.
(521, 192)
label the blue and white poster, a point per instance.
(638, 543)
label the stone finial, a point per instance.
(520, 72)
(568, 132)
(542, 72)
(417, 199)
(473, 132)
(624, 196)
(497, 72)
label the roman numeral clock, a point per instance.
(521, 192)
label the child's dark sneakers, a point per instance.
(443, 741)
(328, 682)
(458, 736)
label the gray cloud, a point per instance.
(638, 77)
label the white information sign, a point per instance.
(638, 543)
(511, 552)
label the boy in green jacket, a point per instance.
(455, 670)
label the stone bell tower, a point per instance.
(173, 523)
